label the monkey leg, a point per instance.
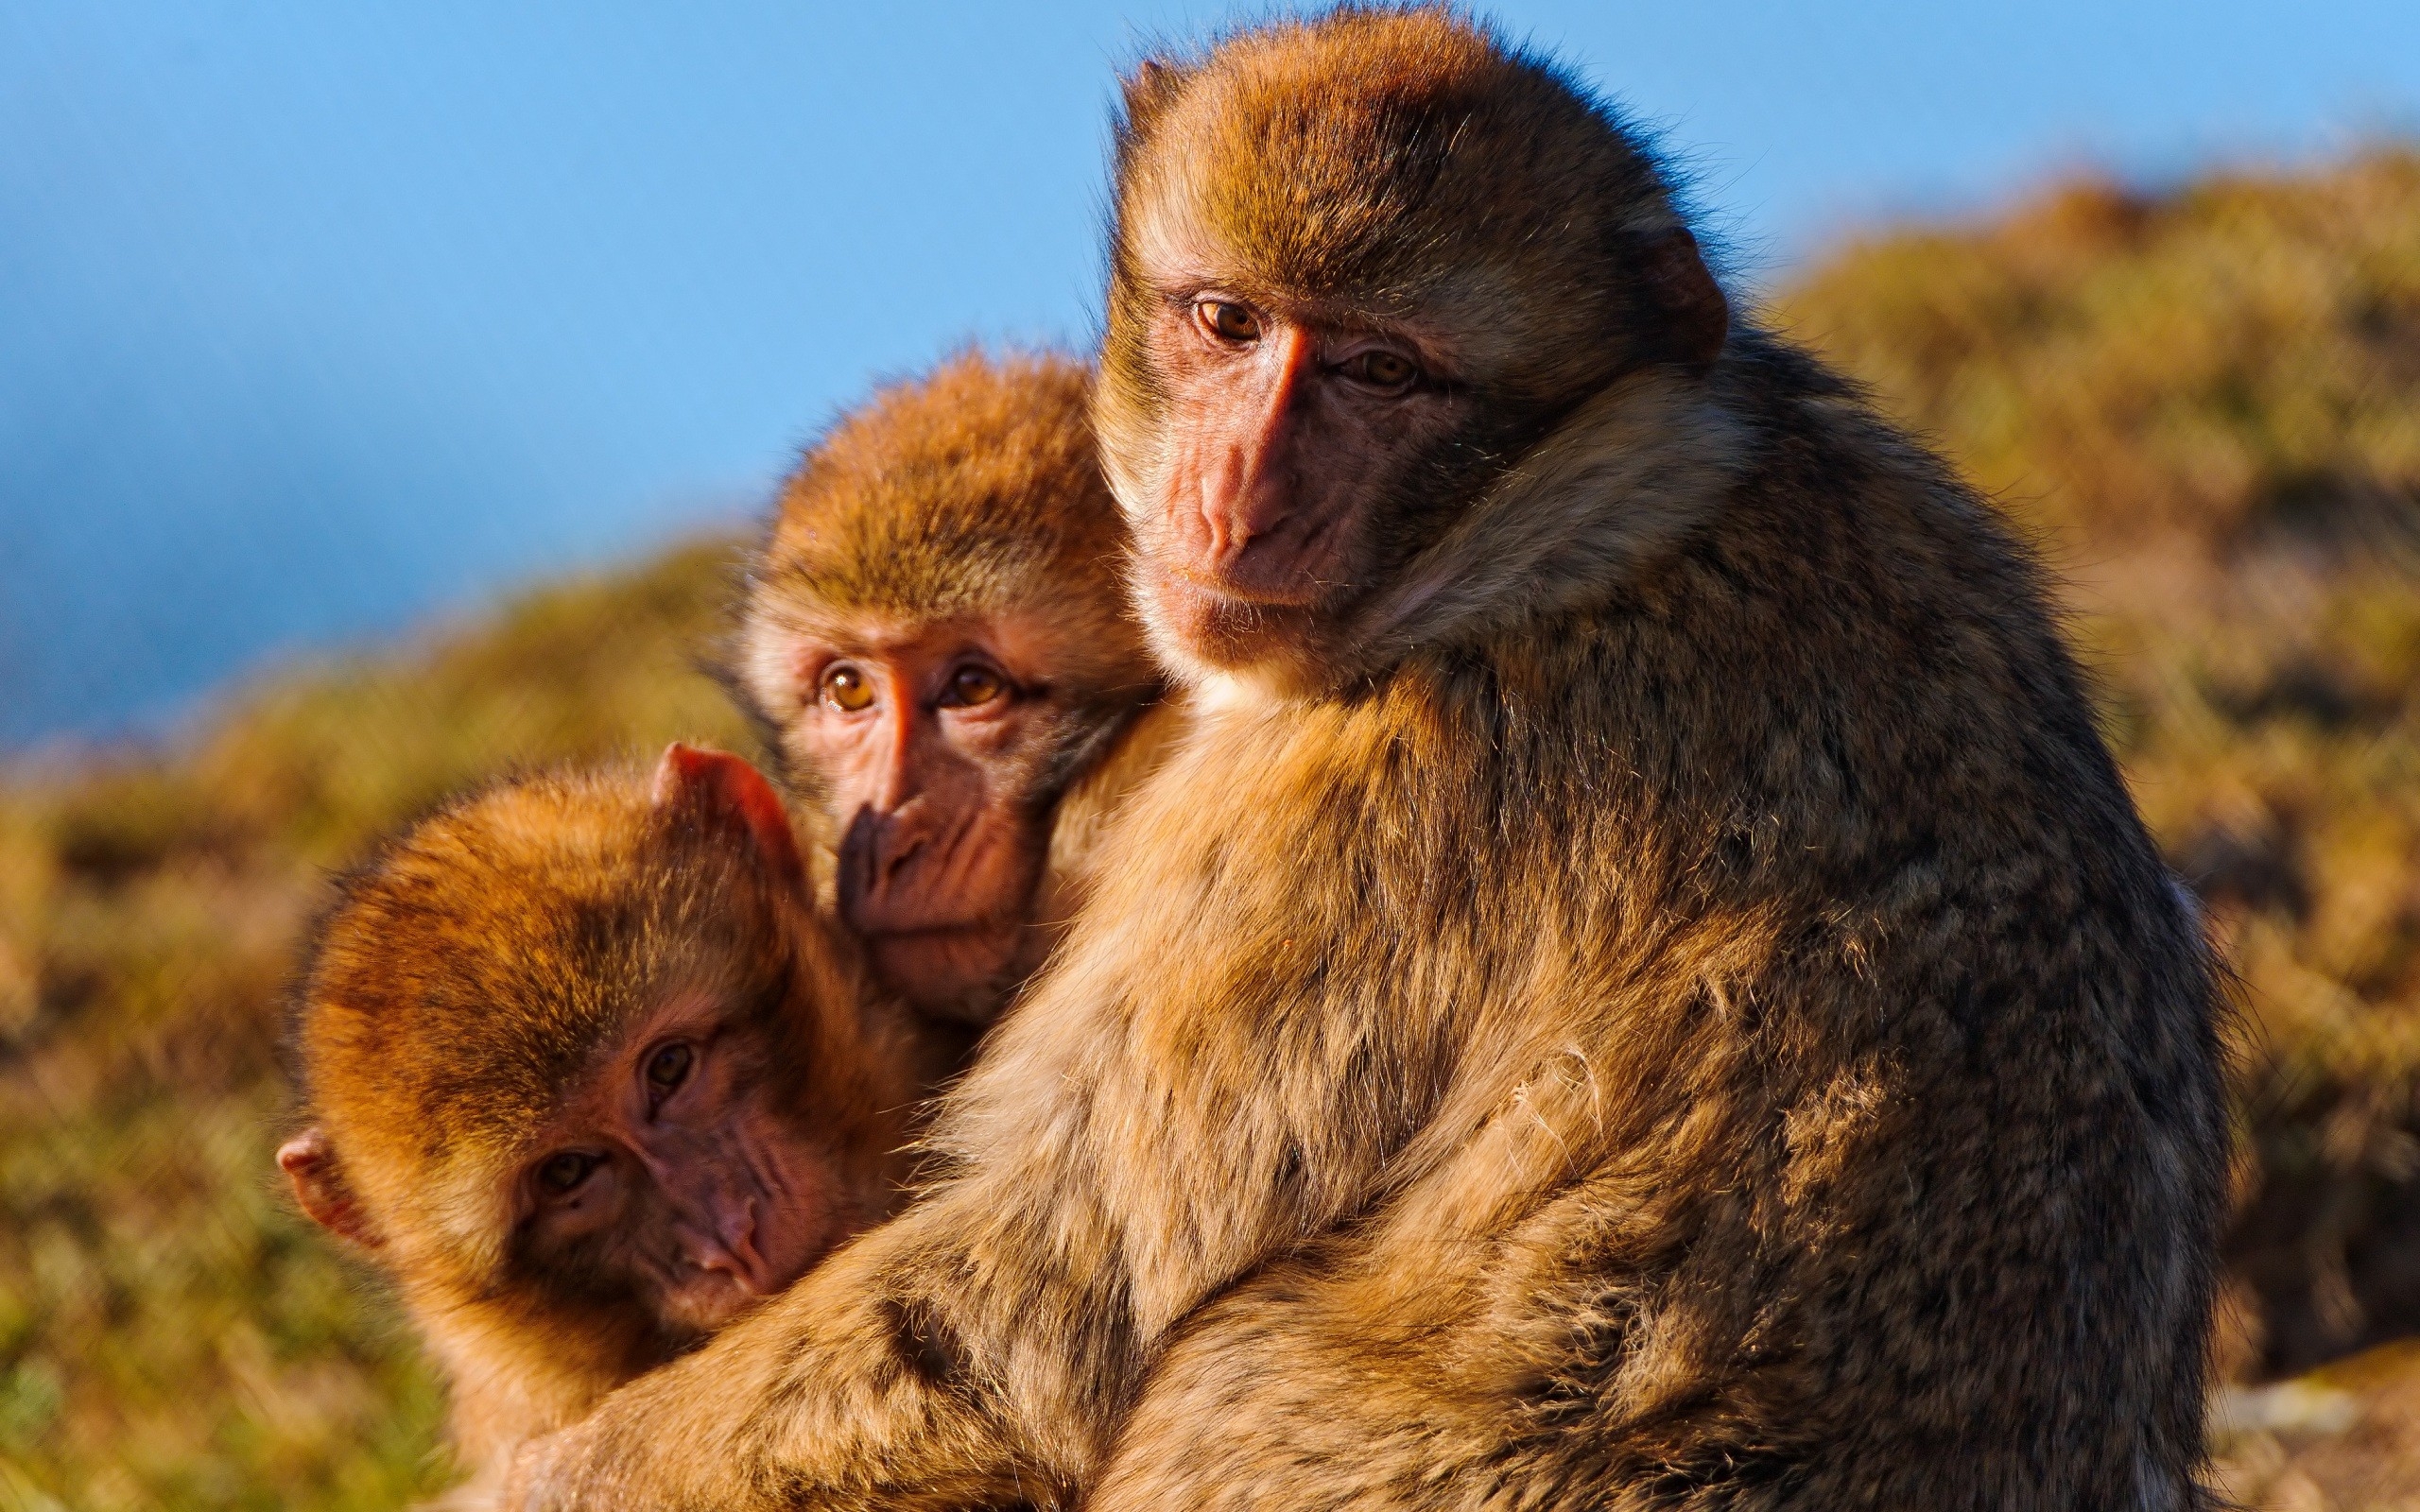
(1442, 1380)
(1611, 1348)
(1274, 1397)
(1418, 1370)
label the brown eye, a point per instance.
(1384, 369)
(1233, 322)
(668, 1068)
(969, 686)
(846, 688)
(561, 1173)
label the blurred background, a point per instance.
(383, 389)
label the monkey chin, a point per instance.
(707, 1306)
(1213, 636)
(954, 973)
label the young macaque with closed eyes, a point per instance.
(936, 642)
(589, 1078)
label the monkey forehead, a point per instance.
(969, 489)
(1386, 159)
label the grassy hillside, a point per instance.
(170, 1334)
(2207, 403)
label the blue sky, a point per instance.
(316, 321)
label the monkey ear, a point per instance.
(1694, 317)
(729, 792)
(310, 1162)
(1147, 90)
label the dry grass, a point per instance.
(170, 1333)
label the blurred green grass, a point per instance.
(2206, 403)
(171, 1333)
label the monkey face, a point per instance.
(936, 751)
(1337, 313)
(1290, 434)
(680, 1174)
(936, 636)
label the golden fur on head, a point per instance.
(1391, 162)
(1404, 165)
(971, 492)
(972, 496)
(483, 969)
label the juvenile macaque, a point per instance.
(588, 1077)
(938, 643)
(1643, 988)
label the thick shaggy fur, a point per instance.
(1682, 1014)
(970, 495)
(457, 991)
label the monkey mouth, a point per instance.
(930, 920)
(1294, 589)
(1229, 625)
(944, 969)
(980, 939)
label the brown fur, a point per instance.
(971, 490)
(462, 985)
(1671, 1008)
(972, 493)
(967, 496)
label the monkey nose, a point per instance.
(758, 1274)
(730, 1250)
(897, 847)
(1225, 528)
(878, 847)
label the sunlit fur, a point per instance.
(1673, 1007)
(459, 989)
(970, 495)
(971, 492)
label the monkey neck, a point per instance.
(1085, 810)
(1083, 816)
(1612, 490)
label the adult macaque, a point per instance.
(1644, 989)
(938, 643)
(589, 1078)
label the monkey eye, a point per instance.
(846, 688)
(564, 1172)
(973, 685)
(1382, 369)
(1229, 323)
(668, 1068)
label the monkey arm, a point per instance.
(1217, 1068)
(833, 1395)
(974, 1351)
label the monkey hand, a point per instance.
(667, 1440)
(805, 1403)
(574, 1467)
(546, 1473)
